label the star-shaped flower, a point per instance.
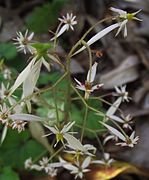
(88, 86)
(107, 161)
(129, 141)
(24, 41)
(125, 120)
(121, 92)
(78, 168)
(61, 134)
(68, 21)
(124, 17)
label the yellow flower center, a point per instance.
(59, 137)
(130, 16)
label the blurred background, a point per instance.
(124, 61)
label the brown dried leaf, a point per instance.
(126, 72)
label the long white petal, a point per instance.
(99, 36)
(61, 31)
(114, 107)
(114, 131)
(22, 76)
(121, 26)
(30, 82)
(92, 72)
(25, 117)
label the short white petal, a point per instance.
(125, 31)
(86, 162)
(46, 64)
(52, 129)
(67, 127)
(81, 87)
(121, 26)
(97, 86)
(107, 139)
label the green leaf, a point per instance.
(8, 51)
(45, 16)
(8, 174)
(42, 47)
(92, 123)
(17, 148)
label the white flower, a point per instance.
(19, 125)
(7, 73)
(107, 161)
(130, 141)
(68, 21)
(4, 91)
(44, 163)
(124, 18)
(61, 134)
(19, 120)
(24, 41)
(121, 91)
(88, 86)
(4, 114)
(127, 141)
(78, 169)
(126, 121)
(50, 168)
(28, 163)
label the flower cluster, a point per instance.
(44, 165)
